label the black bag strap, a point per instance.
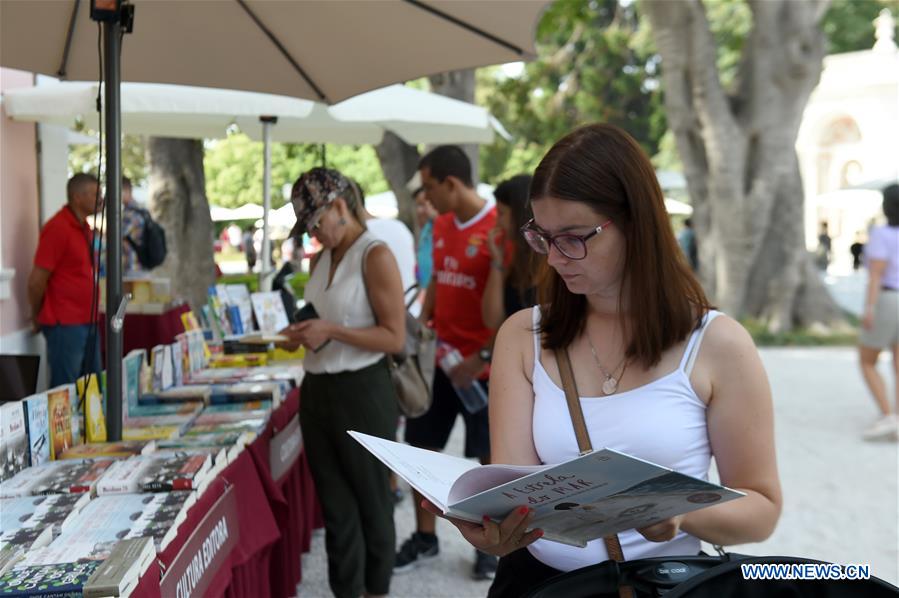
(572, 398)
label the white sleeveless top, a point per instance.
(344, 302)
(663, 421)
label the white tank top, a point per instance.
(663, 421)
(344, 302)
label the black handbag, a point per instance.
(691, 576)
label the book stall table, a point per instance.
(145, 331)
(246, 533)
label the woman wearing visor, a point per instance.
(357, 316)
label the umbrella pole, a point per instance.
(265, 271)
(114, 305)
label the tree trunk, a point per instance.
(738, 153)
(399, 161)
(459, 85)
(178, 202)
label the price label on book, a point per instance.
(205, 551)
(284, 448)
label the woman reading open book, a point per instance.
(660, 374)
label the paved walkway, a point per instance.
(841, 494)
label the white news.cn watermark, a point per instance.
(805, 571)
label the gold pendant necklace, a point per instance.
(610, 383)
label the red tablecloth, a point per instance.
(145, 331)
(276, 521)
(293, 502)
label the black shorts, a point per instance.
(432, 430)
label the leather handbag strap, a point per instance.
(613, 545)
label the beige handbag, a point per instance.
(412, 370)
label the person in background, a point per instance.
(510, 285)
(824, 243)
(461, 265)
(661, 375)
(857, 249)
(425, 214)
(397, 237)
(356, 290)
(60, 287)
(880, 320)
(687, 241)
(132, 230)
(249, 248)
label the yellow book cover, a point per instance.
(94, 418)
(189, 319)
(59, 408)
(151, 433)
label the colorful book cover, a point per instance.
(189, 319)
(37, 425)
(238, 407)
(177, 364)
(59, 408)
(132, 369)
(239, 296)
(254, 425)
(190, 442)
(88, 388)
(234, 319)
(13, 440)
(22, 483)
(109, 450)
(151, 433)
(178, 472)
(73, 477)
(50, 581)
(269, 310)
(39, 511)
(208, 418)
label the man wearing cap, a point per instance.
(60, 287)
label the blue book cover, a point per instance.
(37, 424)
(235, 320)
(48, 581)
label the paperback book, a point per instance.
(595, 495)
(59, 407)
(37, 424)
(40, 511)
(91, 396)
(13, 440)
(120, 573)
(112, 450)
(72, 477)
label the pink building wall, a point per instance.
(19, 206)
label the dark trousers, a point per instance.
(67, 345)
(353, 486)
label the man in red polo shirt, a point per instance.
(61, 284)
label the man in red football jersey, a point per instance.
(461, 263)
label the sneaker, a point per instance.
(884, 428)
(484, 566)
(419, 547)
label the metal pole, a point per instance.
(265, 270)
(112, 91)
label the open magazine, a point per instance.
(595, 495)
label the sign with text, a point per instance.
(284, 448)
(205, 551)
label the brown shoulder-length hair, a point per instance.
(604, 167)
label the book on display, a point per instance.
(595, 495)
(72, 477)
(109, 450)
(37, 424)
(90, 394)
(14, 452)
(120, 573)
(59, 407)
(60, 580)
(269, 310)
(51, 511)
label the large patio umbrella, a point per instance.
(200, 112)
(326, 51)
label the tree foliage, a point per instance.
(86, 158)
(596, 62)
(234, 168)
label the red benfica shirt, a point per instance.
(64, 250)
(461, 266)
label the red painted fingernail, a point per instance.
(523, 510)
(539, 533)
